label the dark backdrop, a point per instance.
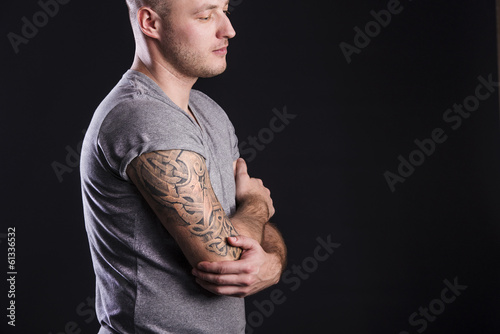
(422, 256)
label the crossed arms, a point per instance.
(236, 256)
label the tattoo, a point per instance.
(179, 180)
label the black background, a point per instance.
(325, 169)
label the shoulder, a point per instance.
(143, 112)
(135, 122)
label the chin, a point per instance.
(212, 72)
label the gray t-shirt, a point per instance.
(143, 280)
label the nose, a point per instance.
(226, 29)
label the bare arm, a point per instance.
(250, 220)
(273, 243)
(177, 186)
(256, 270)
(264, 252)
(255, 206)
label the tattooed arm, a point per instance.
(177, 186)
(264, 252)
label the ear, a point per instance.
(149, 22)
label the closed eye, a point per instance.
(209, 16)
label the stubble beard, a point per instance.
(188, 62)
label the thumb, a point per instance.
(243, 242)
(241, 167)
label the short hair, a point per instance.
(161, 7)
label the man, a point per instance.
(176, 226)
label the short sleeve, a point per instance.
(136, 127)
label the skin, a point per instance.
(177, 186)
(177, 50)
(234, 256)
(263, 257)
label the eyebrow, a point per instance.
(209, 6)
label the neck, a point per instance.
(174, 85)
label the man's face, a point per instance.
(195, 37)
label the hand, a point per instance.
(249, 189)
(253, 272)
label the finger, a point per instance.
(225, 267)
(241, 167)
(227, 290)
(243, 242)
(222, 280)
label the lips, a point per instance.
(221, 51)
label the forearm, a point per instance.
(267, 235)
(273, 243)
(263, 256)
(250, 219)
(244, 226)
